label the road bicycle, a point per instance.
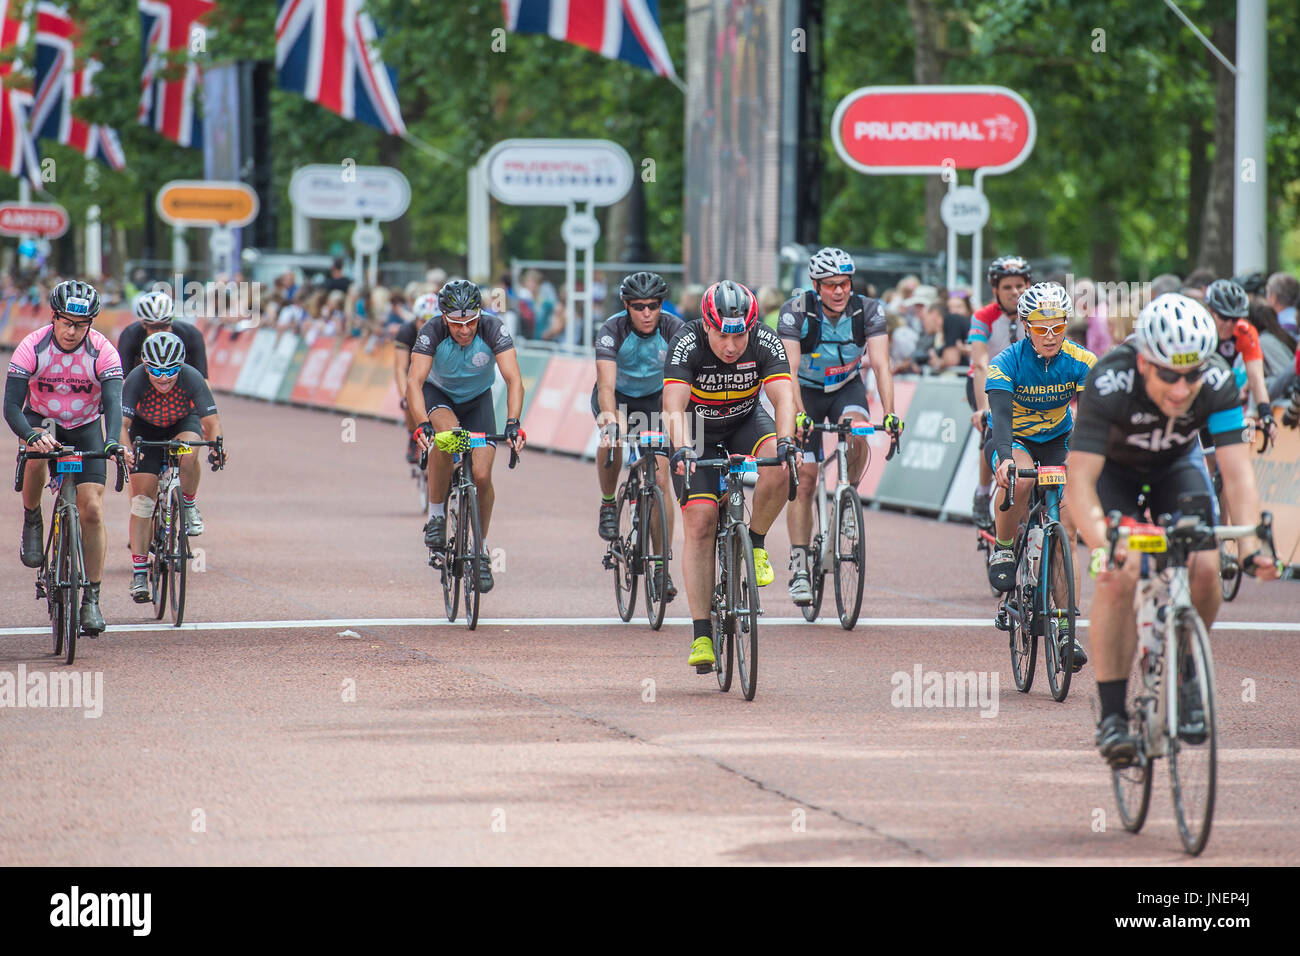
(841, 552)
(1041, 603)
(169, 539)
(62, 574)
(1229, 567)
(642, 548)
(735, 607)
(1173, 718)
(461, 555)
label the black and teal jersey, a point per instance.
(640, 358)
(1041, 389)
(831, 350)
(463, 372)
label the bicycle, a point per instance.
(62, 574)
(642, 547)
(457, 562)
(1155, 702)
(845, 550)
(1229, 568)
(1044, 576)
(169, 539)
(421, 486)
(735, 607)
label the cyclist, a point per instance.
(992, 329)
(630, 351)
(716, 366)
(449, 385)
(1144, 404)
(153, 314)
(1030, 387)
(1240, 348)
(61, 377)
(424, 308)
(164, 399)
(827, 331)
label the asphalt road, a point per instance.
(555, 734)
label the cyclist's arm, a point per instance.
(1238, 488)
(1082, 499)
(878, 356)
(401, 361)
(794, 354)
(979, 363)
(211, 426)
(111, 389)
(1258, 388)
(677, 396)
(1000, 406)
(782, 393)
(421, 365)
(16, 387)
(508, 363)
(606, 379)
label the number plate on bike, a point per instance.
(68, 463)
(1148, 538)
(477, 439)
(744, 466)
(1051, 474)
(863, 430)
(184, 450)
(652, 438)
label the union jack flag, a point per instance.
(17, 152)
(167, 100)
(325, 50)
(619, 29)
(59, 82)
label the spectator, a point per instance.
(1278, 346)
(769, 304)
(959, 304)
(293, 316)
(915, 305)
(1281, 293)
(435, 278)
(1167, 282)
(902, 341)
(1198, 279)
(689, 304)
(558, 320)
(1095, 313)
(337, 281)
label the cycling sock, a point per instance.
(606, 499)
(188, 499)
(1004, 544)
(1112, 694)
(757, 540)
(439, 510)
(139, 562)
(703, 628)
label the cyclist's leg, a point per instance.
(1112, 632)
(982, 489)
(442, 418)
(851, 401)
(144, 489)
(757, 436)
(478, 415)
(643, 414)
(189, 429)
(1185, 476)
(698, 495)
(607, 475)
(798, 517)
(1056, 451)
(90, 496)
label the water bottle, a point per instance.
(1034, 550)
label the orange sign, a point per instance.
(193, 202)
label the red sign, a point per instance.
(927, 129)
(33, 219)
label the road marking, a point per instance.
(347, 622)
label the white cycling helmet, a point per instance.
(156, 306)
(1176, 332)
(426, 306)
(828, 263)
(1044, 300)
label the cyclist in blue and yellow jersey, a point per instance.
(1030, 387)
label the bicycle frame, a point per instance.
(828, 503)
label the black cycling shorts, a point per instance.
(642, 414)
(1054, 451)
(476, 415)
(1119, 488)
(831, 407)
(152, 460)
(87, 437)
(743, 438)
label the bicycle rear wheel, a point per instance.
(451, 542)
(178, 547)
(744, 610)
(70, 569)
(1132, 784)
(473, 556)
(625, 557)
(158, 561)
(1056, 604)
(850, 558)
(816, 569)
(1229, 570)
(1193, 746)
(654, 525)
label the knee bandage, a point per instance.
(142, 506)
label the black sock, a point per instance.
(756, 539)
(1112, 694)
(703, 628)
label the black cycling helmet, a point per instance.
(644, 285)
(163, 350)
(1004, 266)
(460, 295)
(1227, 299)
(75, 299)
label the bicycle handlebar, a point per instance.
(758, 463)
(1192, 528)
(514, 455)
(1009, 500)
(24, 456)
(845, 426)
(171, 443)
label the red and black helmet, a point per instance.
(729, 307)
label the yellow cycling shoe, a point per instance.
(702, 655)
(763, 568)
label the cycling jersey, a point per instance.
(405, 337)
(640, 358)
(463, 372)
(722, 392)
(65, 386)
(1118, 420)
(133, 336)
(994, 328)
(832, 353)
(189, 394)
(1041, 389)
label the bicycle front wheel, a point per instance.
(178, 547)
(1189, 679)
(451, 543)
(1056, 609)
(654, 524)
(744, 609)
(70, 571)
(1132, 784)
(850, 557)
(624, 548)
(158, 562)
(473, 555)
(816, 568)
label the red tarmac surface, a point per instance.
(541, 743)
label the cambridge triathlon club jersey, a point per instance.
(640, 358)
(994, 328)
(720, 392)
(463, 372)
(1041, 389)
(65, 386)
(840, 344)
(189, 393)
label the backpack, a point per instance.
(858, 308)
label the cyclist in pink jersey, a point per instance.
(61, 379)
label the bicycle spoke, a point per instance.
(1193, 751)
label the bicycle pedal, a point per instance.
(704, 668)
(40, 590)
(607, 562)
(1001, 622)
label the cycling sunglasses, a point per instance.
(643, 306)
(1170, 377)
(164, 372)
(79, 324)
(1041, 330)
(461, 318)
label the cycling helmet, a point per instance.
(1044, 300)
(828, 263)
(426, 306)
(156, 306)
(729, 307)
(1004, 266)
(460, 295)
(1227, 299)
(644, 285)
(75, 298)
(1176, 332)
(163, 350)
